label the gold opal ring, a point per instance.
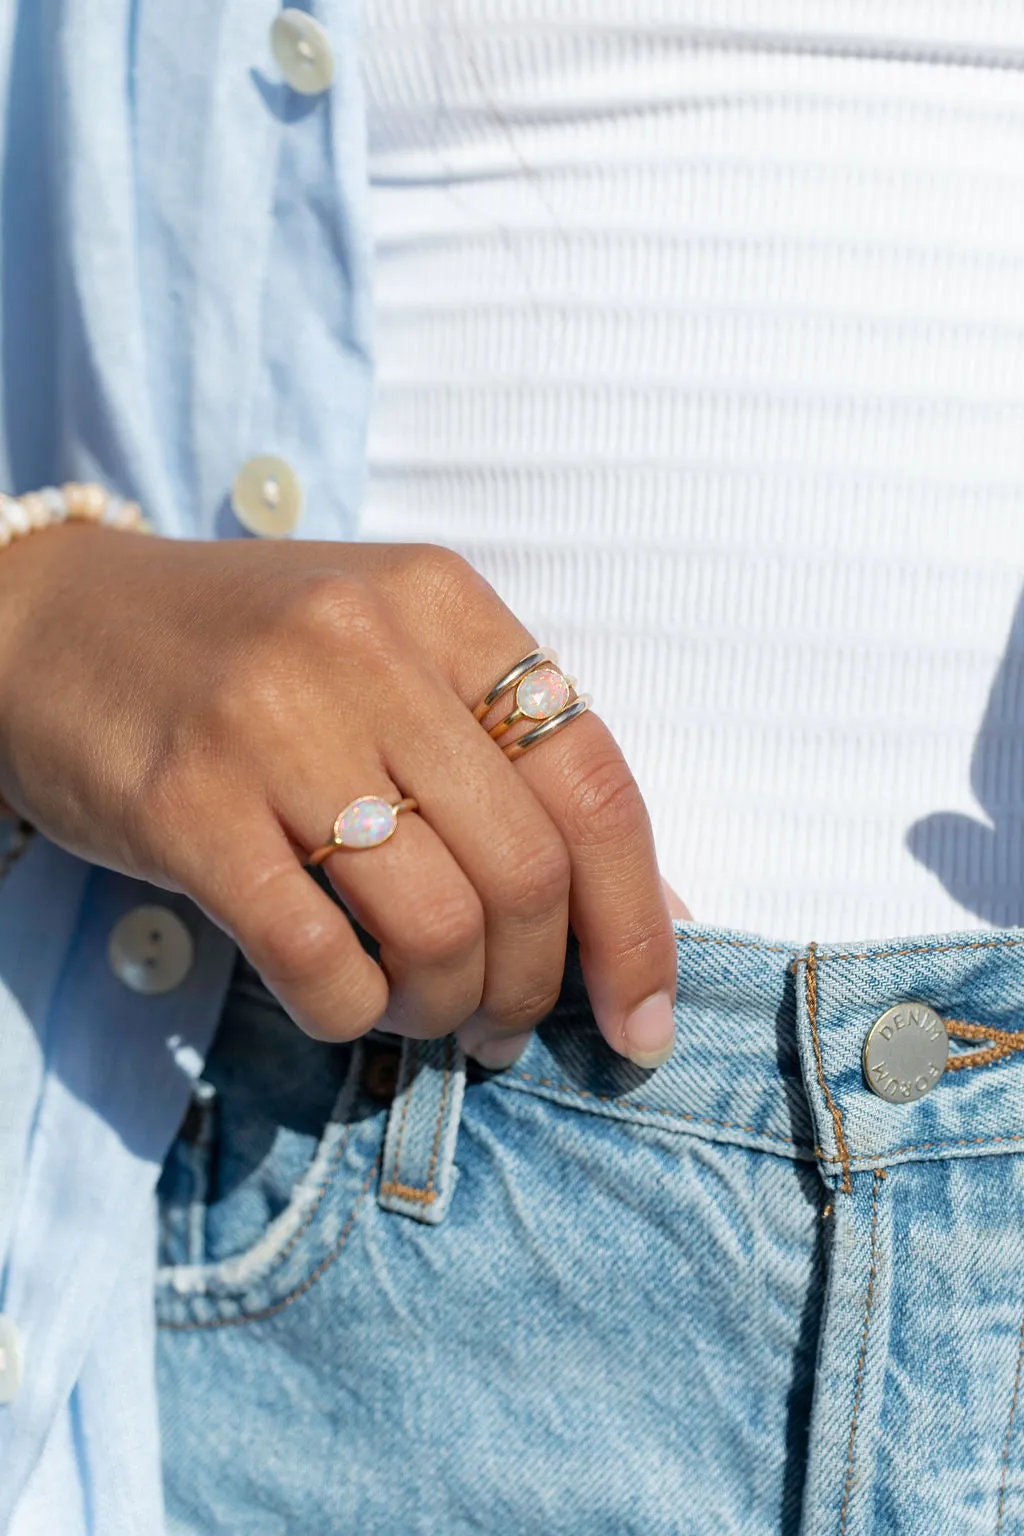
(540, 694)
(511, 678)
(364, 823)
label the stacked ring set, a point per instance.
(543, 693)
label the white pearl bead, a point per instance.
(17, 518)
(53, 497)
(53, 504)
(35, 510)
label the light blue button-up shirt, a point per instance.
(184, 283)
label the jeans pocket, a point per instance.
(274, 1157)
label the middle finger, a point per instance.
(502, 838)
(411, 895)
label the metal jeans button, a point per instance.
(905, 1052)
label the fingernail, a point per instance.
(650, 1031)
(499, 1051)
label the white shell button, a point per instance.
(11, 1361)
(267, 497)
(303, 52)
(151, 950)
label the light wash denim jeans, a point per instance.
(740, 1295)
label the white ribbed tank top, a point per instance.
(701, 334)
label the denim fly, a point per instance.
(742, 1295)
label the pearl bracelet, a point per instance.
(20, 515)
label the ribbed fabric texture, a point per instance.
(701, 334)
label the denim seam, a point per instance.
(408, 1192)
(300, 1290)
(440, 1113)
(868, 1160)
(328, 1176)
(765, 949)
(656, 1109)
(879, 1176)
(1009, 1432)
(923, 949)
(407, 1090)
(811, 985)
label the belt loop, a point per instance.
(419, 1172)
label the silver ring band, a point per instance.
(566, 716)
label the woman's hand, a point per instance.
(196, 714)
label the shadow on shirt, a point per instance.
(981, 863)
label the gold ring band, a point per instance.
(551, 727)
(511, 677)
(363, 823)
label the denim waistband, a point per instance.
(735, 1073)
(769, 1049)
(768, 1055)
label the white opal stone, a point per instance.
(542, 693)
(365, 823)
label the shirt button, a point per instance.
(151, 950)
(905, 1052)
(302, 51)
(267, 497)
(10, 1360)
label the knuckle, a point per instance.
(247, 693)
(334, 608)
(295, 949)
(444, 580)
(442, 567)
(535, 877)
(604, 802)
(262, 685)
(648, 950)
(525, 1010)
(297, 956)
(448, 928)
(238, 701)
